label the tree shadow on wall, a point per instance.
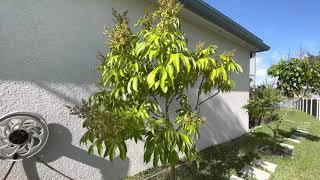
(59, 145)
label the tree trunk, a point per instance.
(173, 172)
(274, 148)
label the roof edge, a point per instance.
(213, 15)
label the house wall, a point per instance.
(47, 61)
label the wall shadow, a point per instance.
(222, 124)
(59, 145)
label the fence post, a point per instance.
(311, 106)
(300, 105)
(318, 108)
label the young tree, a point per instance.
(141, 75)
(264, 104)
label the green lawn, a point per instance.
(220, 162)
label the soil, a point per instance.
(280, 151)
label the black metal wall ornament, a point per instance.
(22, 135)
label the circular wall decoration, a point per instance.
(22, 135)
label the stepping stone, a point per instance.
(287, 146)
(303, 128)
(233, 177)
(296, 137)
(289, 121)
(301, 131)
(255, 173)
(306, 123)
(293, 140)
(268, 166)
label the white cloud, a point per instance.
(261, 72)
(264, 61)
(261, 68)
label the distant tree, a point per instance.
(141, 75)
(264, 104)
(296, 77)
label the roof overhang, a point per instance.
(214, 16)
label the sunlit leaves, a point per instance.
(174, 58)
(151, 77)
(296, 77)
(163, 79)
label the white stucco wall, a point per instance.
(47, 61)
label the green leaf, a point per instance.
(85, 138)
(156, 157)
(147, 154)
(107, 150)
(99, 147)
(140, 47)
(174, 158)
(224, 74)
(163, 157)
(135, 84)
(129, 86)
(213, 74)
(153, 54)
(123, 150)
(239, 68)
(170, 70)
(112, 152)
(186, 62)
(164, 76)
(90, 150)
(186, 139)
(176, 62)
(151, 77)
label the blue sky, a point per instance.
(285, 25)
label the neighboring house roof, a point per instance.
(211, 14)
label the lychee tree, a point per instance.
(140, 76)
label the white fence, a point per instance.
(308, 105)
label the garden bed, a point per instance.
(221, 161)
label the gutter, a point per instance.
(214, 16)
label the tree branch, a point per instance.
(209, 97)
(155, 99)
(155, 114)
(306, 90)
(167, 108)
(199, 93)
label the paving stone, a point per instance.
(302, 128)
(268, 166)
(255, 173)
(289, 121)
(233, 177)
(296, 137)
(293, 140)
(306, 130)
(302, 131)
(287, 146)
(304, 125)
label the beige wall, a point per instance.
(47, 61)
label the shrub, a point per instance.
(264, 106)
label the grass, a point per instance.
(221, 161)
